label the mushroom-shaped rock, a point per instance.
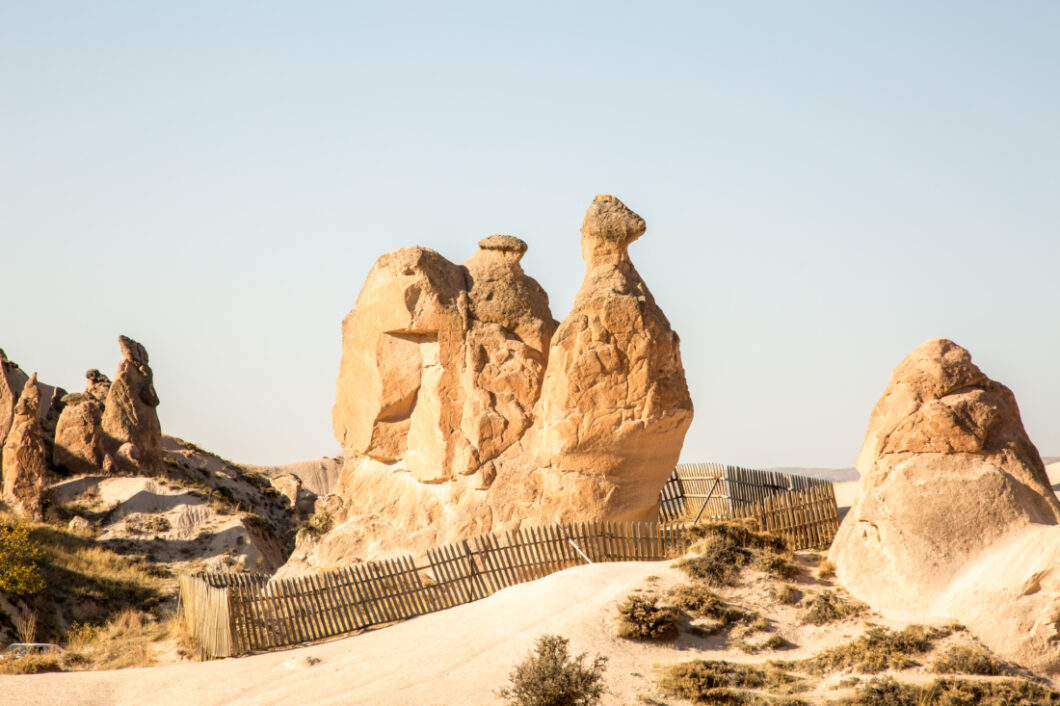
(129, 415)
(24, 461)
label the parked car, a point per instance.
(25, 649)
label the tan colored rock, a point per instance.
(462, 409)
(98, 385)
(614, 405)
(12, 381)
(23, 461)
(442, 364)
(948, 476)
(79, 435)
(129, 415)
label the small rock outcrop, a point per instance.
(949, 477)
(79, 431)
(24, 463)
(132, 433)
(462, 409)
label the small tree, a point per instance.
(551, 677)
(19, 573)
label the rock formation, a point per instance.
(614, 405)
(12, 381)
(948, 478)
(79, 431)
(23, 461)
(132, 434)
(461, 409)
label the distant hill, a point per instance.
(836, 475)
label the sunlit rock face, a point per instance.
(23, 463)
(950, 478)
(132, 433)
(462, 409)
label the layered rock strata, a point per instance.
(950, 478)
(132, 433)
(461, 409)
(23, 461)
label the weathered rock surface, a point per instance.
(614, 405)
(23, 461)
(79, 435)
(129, 415)
(948, 477)
(432, 379)
(12, 381)
(462, 409)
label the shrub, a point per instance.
(960, 659)
(724, 548)
(701, 602)
(31, 664)
(551, 677)
(19, 573)
(719, 682)
(786, 594)
(825, 569)
(828, 607)
(875, 651)
(777, 566)
(642, 618)
(888, 691)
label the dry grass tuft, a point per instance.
(961, 659)
(642, 618)
(724, 548)
(32, 664)
(786, 594)
(719, 682)
(888, 691)
(877, 650)
(130, 639)
(828, 607)
(701, 602)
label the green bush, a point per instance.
(549, 676)
(19, 573)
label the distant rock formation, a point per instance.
(949, 477)
(23, 462)
(132, 434)
(12, 381)
(79, 431)
(461, 409)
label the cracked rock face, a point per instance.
(129, 416)
(12, 380)
(947, 471)
(23, 461)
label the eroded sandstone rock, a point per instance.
(12, 381)
(129, 415)
(462, 409)
(23, 461)
(614, 405)
(948, 477)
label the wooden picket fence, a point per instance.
(233, 614)
(715, 490)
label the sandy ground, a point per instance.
(459, 656)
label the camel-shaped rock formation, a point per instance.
(462, 408)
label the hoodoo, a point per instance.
(23, 462)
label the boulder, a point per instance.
(129, 414)
(949, 478)
(78, 443)
(23, 461)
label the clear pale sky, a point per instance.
(826, 185)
